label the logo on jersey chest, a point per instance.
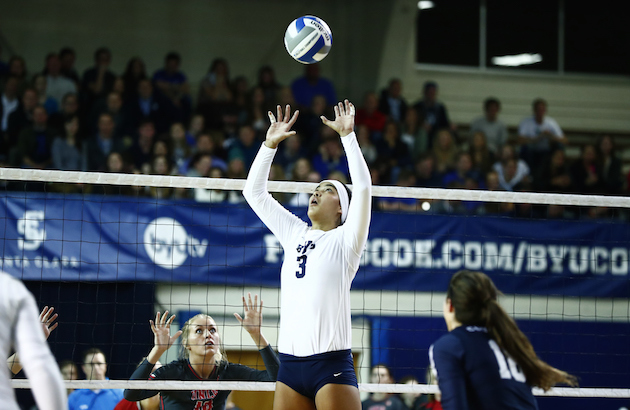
(301, 259)
(301, 249)
(203, 394)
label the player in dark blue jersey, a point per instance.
(201, 359)
(485, 361)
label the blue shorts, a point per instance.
(306, 375)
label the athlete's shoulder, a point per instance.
(175, 370)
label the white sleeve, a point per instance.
(37, 360)
(357, 225)
(282, 223)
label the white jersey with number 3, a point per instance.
(318, 266)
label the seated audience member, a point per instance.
(66, 148)
(432, 111)
(215, 94)
(463, 171)
(69, 108)
(135, 72)
(492, 184)
(35, 143)
(211, 195)
(368, 149)
(207, 145)
(331, 157)
(196, 126)
(411, 400)
(612, 180)
(172, 83)
(490, 125)
(309, 123)
(554, 175)
(256, 111)
(17, 69)
(369, 115)
(99, 80)
(181, 151)
(20, 118)
(56, 84)
(392, 103)
(160, 166)
(381, 374)
(113, 105)
(311, 84)
(269, 86)
(300, 173)
(426, 174)
(512, 171)
(289, 152)
(405, 179)
(9, 102)
(49, 103)
(586, 172)
(69, 371)
(482, 157)
(140, 152)
(538, 135)
(414, 135)
(149, 106)
(444, 152)
(245, 147)
(67, 58)
(393, 153)
(97, 148)
(95, 368)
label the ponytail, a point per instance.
(474, 297)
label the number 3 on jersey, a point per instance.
(300, 273)
(508, 369)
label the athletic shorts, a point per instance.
(306, 375)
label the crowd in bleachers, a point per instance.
(148, 121)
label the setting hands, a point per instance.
(344, 118)
(162, 331)
(280, 128)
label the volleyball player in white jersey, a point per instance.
(20, 328)
(320, 262)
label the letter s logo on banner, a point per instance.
(30, 226)
(168, 244)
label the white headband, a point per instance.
(344, 200)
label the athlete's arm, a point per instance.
(142, 372)
(446, 358)
(47, 320)
(39, 364)
(280, 221)
(252, 321)
(360, 209)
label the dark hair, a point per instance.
(473, 296)
(92, 350)
(538, 101)
(100, 51)
(173, 56)
(66, 51)
(386, 367)
(489, 101)
(430, 84)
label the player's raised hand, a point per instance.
(161, 328)
(344, 118)
(280, 128)
(253, 314)
(47, 319)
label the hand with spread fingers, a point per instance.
(252, 320)
(162, 338)
(280, 128)
(344, 118)
(47, 320)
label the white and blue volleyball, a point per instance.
(308, 39)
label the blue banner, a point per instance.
(54, 237)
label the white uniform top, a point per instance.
(21, 329)
(318, 266)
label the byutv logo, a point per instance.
(168, 244)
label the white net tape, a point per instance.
(266, 386)
(99, 178)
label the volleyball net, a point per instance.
(108, 251)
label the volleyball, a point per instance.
(308, 39)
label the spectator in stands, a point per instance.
(215, 94)
(56, 84)
(310, 125)
(97, 81)
(206, 144)
(140, 151)
(410, 399)
(256, 109)
(586, 172)
(426, 174)
(95, 368)
(35, 142)
(149, 106)
(538, 135)
(241, 101)
(285, 97)
(269, 86)
(483, 158)
(211, 195)
(555, 175)
(4, 67)
(69, 108)
(463, 171)
(160, 166)
(513, 172)
(444, 151)
(290, 152)
(393, 154)
(97, 149)
(367, 146)
(369, 115)
(22, 117)
(69, 371)
(496, 208)
(135, 71)
(172, 83)
(49, 103)
(490, 125)
(245, 147)
(9, 103)
(66, 148)
(612, 180)
(331, 157)
(180, 149)
(196, 126)
(67, 58)
(392, 103)
(17, 69)
(414, 135)
(381, 374)
(311, 84)
(405, 178)
(432, 111)
(113, 105)
(302, 172)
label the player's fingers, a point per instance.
(157, 317)
(342, 110)
(336, 109)
(165, 317)
(255, 301)
(170, 320)
(272, 119)
(52, 319)
(238, 317)
(249, 300)
(261, 304)
(176, 335)
(53, 327)
(293, 119)
(43, 314)
(279, 113)
(287, 113)
(152, 323)
(325, 120)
